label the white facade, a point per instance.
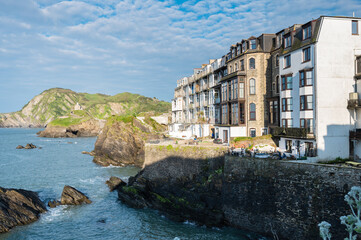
(333, 70)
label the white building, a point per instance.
(317, 73)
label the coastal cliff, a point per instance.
(53, 104)
(18, 207)
(271, 197)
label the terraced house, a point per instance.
(302, 84)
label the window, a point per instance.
(230, 69)
(306, 54)
(242, 65)
(277, 84)
(238, 49)
(243, 46)
(273, 88)
(224, 114)
(253, 44)
(234, 113)
(288, 41)
(287, 123)
(224, 92)
(307, 123)
(306, 78)
(252, 86)
(287, 104)
(287, 61)
(354, 27)
(241, 90)
(287, 82)
(252, 63)
(307, 32)
(273, 112)
(234, 89)
(252, 111)
(358, 65)
(235, 67)
(277, 60)
(241, 113)
(264, 131)
(252, 132)
(306, 102)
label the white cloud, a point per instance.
(111, 46)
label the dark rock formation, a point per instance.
(54, 203)
(114, 183)
(90, 128)
(30, 146)
(71, 196)
(19, 147)
(122, 144)
(18, 207)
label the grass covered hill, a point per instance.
(53, 104)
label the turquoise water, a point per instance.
(60, 162)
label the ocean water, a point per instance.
(60, 162)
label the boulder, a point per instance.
(19, 147)
(114, 183)
(71, 196)
(18, 207)
(54, 203)
(29, 146)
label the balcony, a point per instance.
(292, 133)
(355, 135)
(353, 103)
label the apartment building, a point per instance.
(317, 68)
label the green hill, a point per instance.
(55, 103)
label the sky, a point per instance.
(138, 46)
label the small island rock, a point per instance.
(30, 146)
(19, 147)
(71, 196)
(115, 182)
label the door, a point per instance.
(225, 136)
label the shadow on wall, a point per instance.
(336, 143)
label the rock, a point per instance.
(18, 207)
(115, 182)
(121, 144)
(29, 146)
(53, 203)
(89, 153)
(71, 196)
(90, 128)
(19, 147)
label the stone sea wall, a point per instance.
(270, 197)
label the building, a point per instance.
(317, 68)
(243, 89)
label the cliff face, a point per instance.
(271, 197)
(121, 141)
(56, 102)
(18, 207)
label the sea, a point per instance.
(58, 162)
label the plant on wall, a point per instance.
(352, 221)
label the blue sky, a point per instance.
(143, 47)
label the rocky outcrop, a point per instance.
(115, 183)
(122, 143)
(90, 128)
(18, 207)
(71, 196)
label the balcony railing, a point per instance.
(353, 103)
(292, 133)
(355, 135)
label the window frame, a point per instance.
(254, 63)
(305, 82)
(241, 63)
(309, 129)
(306, 50)
(308, 31)
(305, 106)
(286, 120)
(253, 43)
(252, 87)
(287, 41)
(352, 27)
(285, 61)
(287, 104)
(252, 112)
(284, 82)
(358, 65)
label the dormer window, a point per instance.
(238, 49)
(253, 44)
(307, 32)
(287, 41)
(243, 46)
